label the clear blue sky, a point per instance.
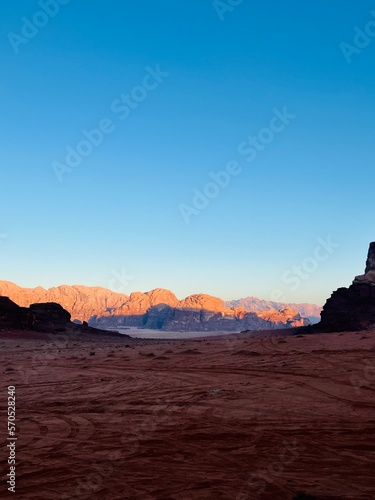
(120, 208)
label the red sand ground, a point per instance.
(229, 418)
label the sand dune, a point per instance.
(226, 418)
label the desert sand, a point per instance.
(232, 417)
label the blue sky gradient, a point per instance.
(120, 208)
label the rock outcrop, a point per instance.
(353, 308)
(370, 263)
(50, 317)
(47, 318)
(14, 316)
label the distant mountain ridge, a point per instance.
(309, 311)
(160, 309)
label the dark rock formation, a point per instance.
(370, 263)
(39, 317)
(47, 318)
(14, 316)
(353, 308)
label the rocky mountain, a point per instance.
(156, 309)
(309, 311)
(81, 301)
(237, 319)
(201, 312)
(353, 308)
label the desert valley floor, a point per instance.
(230, 418)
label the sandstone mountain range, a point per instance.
(161, 309)
(309, 311)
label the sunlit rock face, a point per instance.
(157, 309)
(81, 301)
(253, 304)
(353, 308)
(198, 312)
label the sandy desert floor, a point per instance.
(232, 418)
